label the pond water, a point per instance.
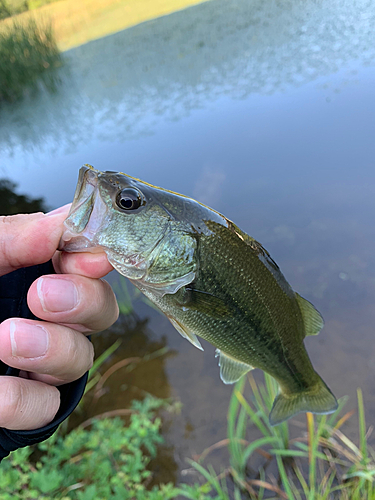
(264, 111)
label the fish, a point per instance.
(210, 278)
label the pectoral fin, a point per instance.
(231, 370)
(311, 317)
(190, 336)
(205, 303)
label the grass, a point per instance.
(321, 464)
(76, 23)
(28, 52)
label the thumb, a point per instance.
(29, 239)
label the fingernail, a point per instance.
(59, 210)
(28, 340)
(57, 295)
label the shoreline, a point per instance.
(76, 24)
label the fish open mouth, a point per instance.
(85, 217)
(70, 242)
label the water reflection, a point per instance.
(119, 86)
(12, 203)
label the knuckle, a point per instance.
(91, 356)
(80, 353)
(110, 304)
(104, 309)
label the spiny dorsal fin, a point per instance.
(231, 370)
(190, 336)
(311, 317)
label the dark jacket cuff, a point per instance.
(13, 303)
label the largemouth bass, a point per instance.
(210, 278)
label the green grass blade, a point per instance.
(254, 415)
(249, 450)
(103, 357)
(362, 426)
(284, 478)
(210, 477)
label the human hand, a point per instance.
(74, 302)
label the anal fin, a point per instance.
(190, 336)
(231, 370)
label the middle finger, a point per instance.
(88, 304)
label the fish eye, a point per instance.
(129, 199)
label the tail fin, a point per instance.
(318, 399)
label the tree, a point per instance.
(12, 203)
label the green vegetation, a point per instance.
(124, 296)
(12, 203)
(10, 8)
(106, 462)
(28, 53)
(322, 464)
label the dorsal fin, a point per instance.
(231, 370)
(311, 317)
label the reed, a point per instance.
(321, 464)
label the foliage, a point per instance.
(12, 203)
(107, 462)
(4, 9)
(28, 54)
(10, 8)
(323, 464)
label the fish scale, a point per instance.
(211, 280)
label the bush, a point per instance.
(27, 54)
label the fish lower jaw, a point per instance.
(70, 243)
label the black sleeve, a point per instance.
(13, 293)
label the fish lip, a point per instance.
(70, 242)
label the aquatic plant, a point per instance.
(124, 296)
(28, 54)
(321, 464)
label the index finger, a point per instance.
(29, 239)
